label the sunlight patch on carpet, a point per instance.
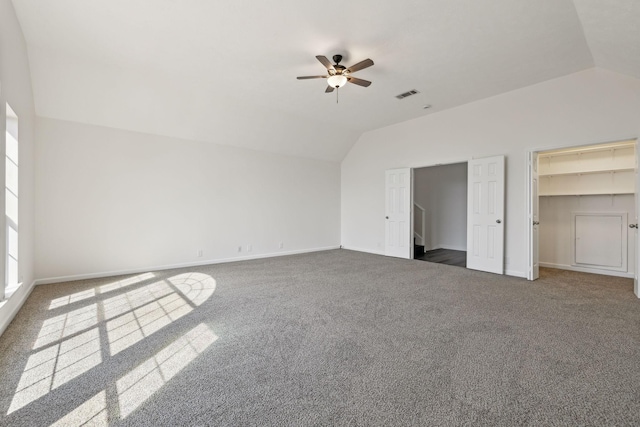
(64, 325)
(70, 344)
(93, 412)
(198, 287)
(56, 365)
(132, 327)
(125, 282)
(70, 299)
(141, 383)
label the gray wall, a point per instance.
(442, 192)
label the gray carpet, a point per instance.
(329, 338)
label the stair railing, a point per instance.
(419, 224)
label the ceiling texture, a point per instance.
(225, 72)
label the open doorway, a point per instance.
(440, 214)
(583, 209)
(484, 224)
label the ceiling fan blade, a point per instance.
(360, 65)
(327, 64)
(329, 89)
(311, 77)
(359, 82)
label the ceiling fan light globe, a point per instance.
(337, 81)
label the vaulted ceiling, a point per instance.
(225, 71)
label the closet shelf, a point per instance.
(594, 193)
(595, 148)
(587, 172)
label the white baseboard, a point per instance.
(71, 278)
(587, 270)
(10, 306)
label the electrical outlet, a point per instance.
(199, 253)
(281, 245)
(239, 248)
(249, 248)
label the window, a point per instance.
(11, 198)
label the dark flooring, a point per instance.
(445, 256)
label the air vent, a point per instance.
(404, 95)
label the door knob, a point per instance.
(498, 221)
(633, 225)
(536, 222)
(386, 217)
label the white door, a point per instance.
(636, 288)
(485, 214)
(534, 220)
(398, 219)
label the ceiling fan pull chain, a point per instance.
(337, 94)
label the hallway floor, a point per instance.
(445, 256)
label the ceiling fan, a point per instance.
(339, 75)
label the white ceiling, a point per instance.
(225, 71)
(612, 30)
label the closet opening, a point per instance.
(583, 209)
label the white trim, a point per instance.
(5, 320)
(587, 270)
(60, 279)
(445, 163)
